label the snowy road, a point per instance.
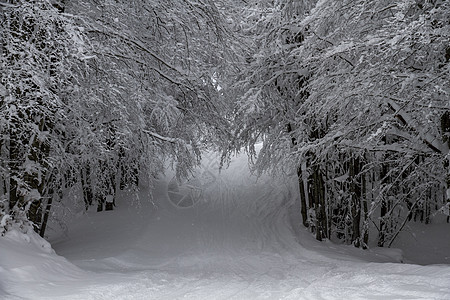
(235, 243)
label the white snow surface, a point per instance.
(236, 242)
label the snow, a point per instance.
(237, 241)
(425, 244)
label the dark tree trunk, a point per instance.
(39, 151)
(46, 214)
(318, 200)
(355, 203)
(47, 205)
(303, 205)
(54, 183)
(86, 186)
(366, 211)
(13, 171)
(445, 129)
(304, 208)
(106, 197)
(384, 208)
(111, 181)
(382, 234)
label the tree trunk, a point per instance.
(14, 154)
(384, 208)
(3, 184)
(86, 186)
(366, 213)
(106, 197)
(37, 181)
(54, 183)
(322, 207)
(318, 203)
(355, 202)
(445, 129)
(304, 208)
(110, 201)
(46, 214)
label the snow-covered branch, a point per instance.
(163, 138)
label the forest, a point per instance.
(350, 98)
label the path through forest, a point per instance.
(231, 238)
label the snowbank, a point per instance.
(29, 267)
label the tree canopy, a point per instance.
(350, 97)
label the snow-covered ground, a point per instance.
(235, 242)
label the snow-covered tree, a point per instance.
(96, 95)
(351, 97)
(39, 47)
(153, 70)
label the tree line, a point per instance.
(351, 98)
(97, 94)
